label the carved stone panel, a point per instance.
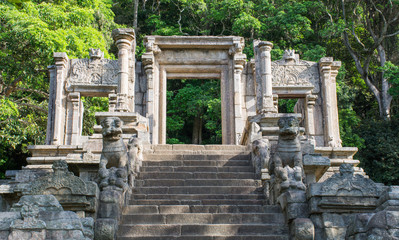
(93, 72)
(293, 72)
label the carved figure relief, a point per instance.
(93, 71)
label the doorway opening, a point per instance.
(193, 111)
(292, 105)
(91, 105)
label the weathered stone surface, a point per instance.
(260, 155)
(105, 229)
(315, 166)
(44, 203)
(21, 234)
(335, 233)
(302, 229)
(358, 225)
(71, 191)
(346, 183)
(44, 218)
(88, 227)
(344, 192)
(6, 218)
(64, 220)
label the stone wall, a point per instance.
(42, 217)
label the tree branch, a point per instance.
(33, 106)
(12, 86)
(392, 34)
(33, 90)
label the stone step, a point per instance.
(197, 152)
(197, 202)
(197, 190)
(189, 163)
(163, 156)
(192, 147)
(197, 196)
(195, 175)
(175, 209)
(127, 230)
(205, 218)
(198, 169)
(247, 237)
(197, 182)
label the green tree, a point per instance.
(369, 29)
(30, 31)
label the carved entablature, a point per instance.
(291, 72)
(93, 71)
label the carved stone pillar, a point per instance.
(149, 68)
(309, 116)
(329, 70)
(74, 119)
(112, 101)
(239, 60)
(124, 39)
(57, 94)
(275, 102)
(266, 77)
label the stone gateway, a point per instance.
(276, 176)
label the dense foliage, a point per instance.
(194, 112)
(30, 31)
(362, 34)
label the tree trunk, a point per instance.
(135, 10)
(197, 130)
(382, 95)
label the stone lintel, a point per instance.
(126, 117)
(52, 150)
(291, 91)
(98, 90)
(315, 166)
(337, 153)
(272, 118)
(202, 42)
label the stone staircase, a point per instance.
(199, 192)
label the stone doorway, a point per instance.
(193, 111)
(178, 57)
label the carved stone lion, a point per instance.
(118, 163)
(286, 163)
(114, 153)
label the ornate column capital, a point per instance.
(265, 46)
(61, 59)
(123, 37)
